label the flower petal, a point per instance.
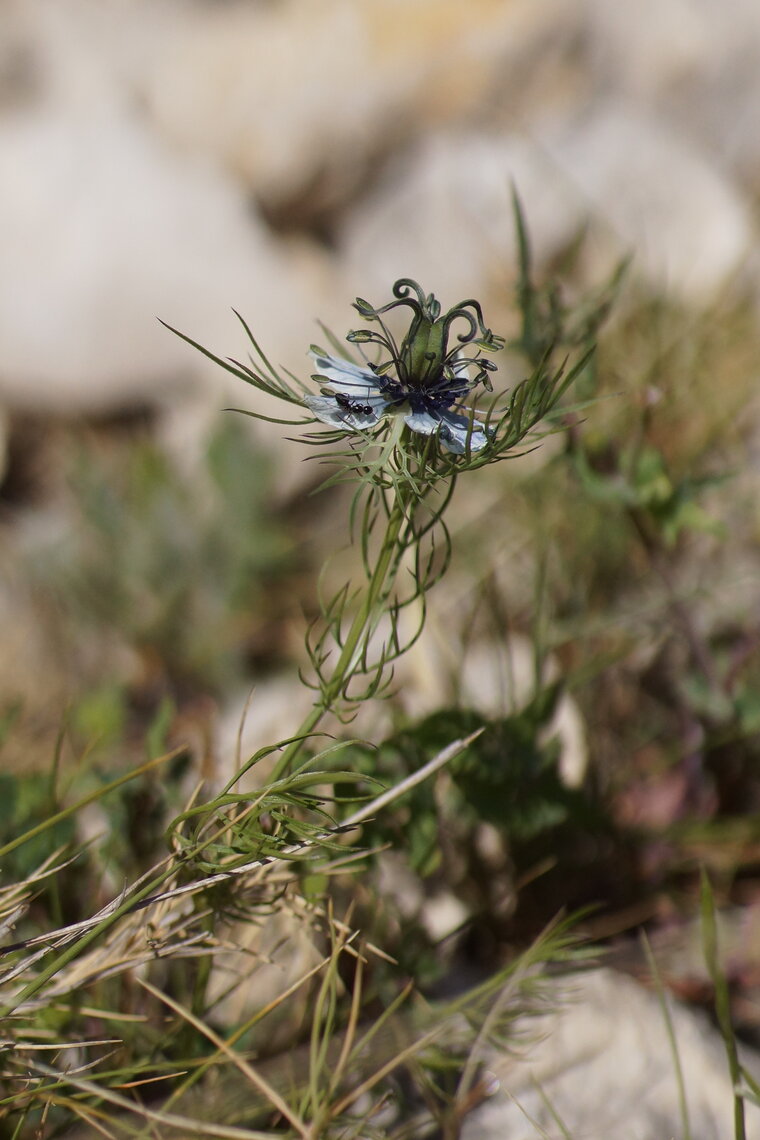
(457, 430)
(352, 418)
(422, 422)
(453, 430)
(348, 378)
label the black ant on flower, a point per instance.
(345, 402)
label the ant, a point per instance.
(344, 402)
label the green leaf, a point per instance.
(507, 777)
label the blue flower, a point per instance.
(422, 380)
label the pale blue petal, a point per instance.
(327, 409)
(452, 430)
(348, 378)
(422, 422)
(456, 430)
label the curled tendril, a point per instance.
(487, 340)
(426, 307)
(371, 314)
(402, 288)
(455, 314)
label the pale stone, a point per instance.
(692, 63)
(601, 1060)
(442, 212)
(443, 216)
(650, 47)
(442, 915)
(270, 711)
(302, 97)
(259, 960)
(103, 231)
(688, 229)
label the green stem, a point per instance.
(364, 622)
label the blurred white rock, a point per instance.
(692, 63)
(602, 1064)
(651, 47)
(444, 214)
(661, 199)
(301, 98)
(103, 230)
(261, 959)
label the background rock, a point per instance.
(603, 1065)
